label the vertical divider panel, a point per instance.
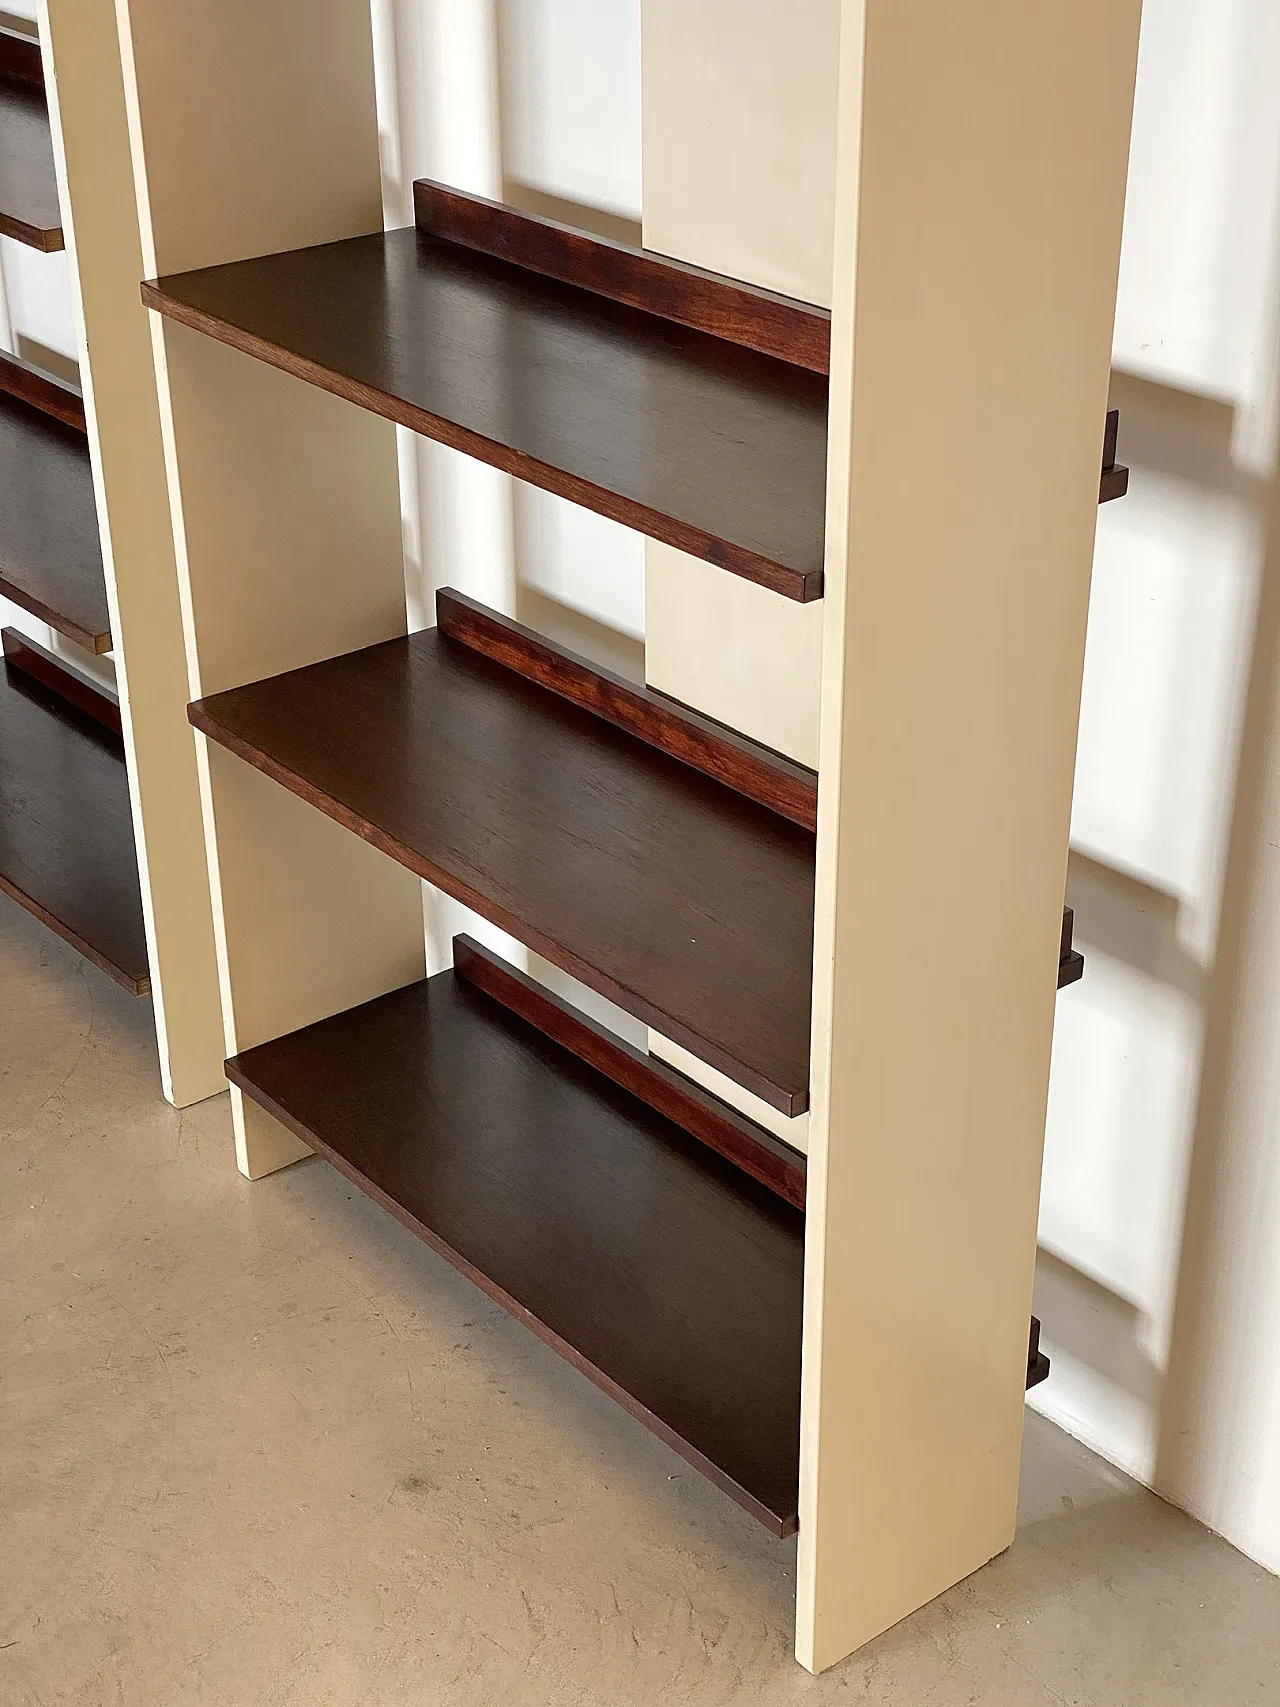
(254, 129)
(104, 252)
(982, 152)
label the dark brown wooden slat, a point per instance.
(28, 182)
(661, 1272)
(1115, 484)
(1111, 440)
(710, 747)
(1037, 1362)
(741, 313)
(20, 60)
(715, 449)
(50, 552)
(66, 830)
(1070, 969)
(684, 903)
(51, 396)
(1068, 932)
(657, 1085)
(42, 666)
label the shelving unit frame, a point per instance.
(976, 260)
(122, 516)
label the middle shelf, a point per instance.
(549, 797)
(676, 897)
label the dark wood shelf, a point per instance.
(548, 796)
(676, 897)
(657, 1268)
(50, 552)
(66, 830)
(662, 1272)
(28, 184)
(649, 391)
(714, 448)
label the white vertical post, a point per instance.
(254, 130)
(104, 252)
(981, 167)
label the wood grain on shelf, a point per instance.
(680, 900)
(50, 551)
(708, 746)
(66, 829)
(28, 183)
(42, 666)
(741, 313)
(33, 385)
(658, 1085)
(660, 1271)
(712, 448)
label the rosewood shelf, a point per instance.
(658, 1269)
(683, 901)
(66, 830)
(546, 795)
(50, 553)
(28, 184)
(686, 405)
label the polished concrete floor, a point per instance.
(259, 1447)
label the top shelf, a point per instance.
(642, 389)
(28, 183)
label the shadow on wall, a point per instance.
(1210, 1407)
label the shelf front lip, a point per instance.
(781, 1525)
(47, 238)
(791, 1102)
(97, 641)
(802, 586)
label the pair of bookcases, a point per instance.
(839, 1341)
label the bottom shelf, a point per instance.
(664, 1274)
(66, 831)
(661, 1271)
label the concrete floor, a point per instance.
(258, 1446)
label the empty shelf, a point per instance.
(66, 831)
(682, 901)
(28, 184)
(714, 448)
(50, 553)
(659, 1270)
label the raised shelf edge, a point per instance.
(716, 751)
(51, 396)
(660, 1087)
(726, 308)
(25, 655)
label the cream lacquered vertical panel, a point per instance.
(739, 100)
(100, 218)
(254, 130)
(982, 152)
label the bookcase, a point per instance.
(834, 1331)
(100, 829)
